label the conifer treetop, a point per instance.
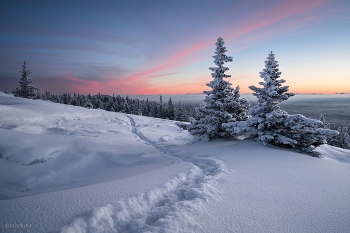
(272, 93)
(25, 74)
(219, 59)
(220, 87)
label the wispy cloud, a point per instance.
(248, 24)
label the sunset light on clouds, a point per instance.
(166, 47)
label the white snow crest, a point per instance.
(165, 209)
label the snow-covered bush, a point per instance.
(221, 105)
(27, 90)
(171, 110)
(341, 140)
(304, 134)
(88, 104)
(325, 125)
(271, 125)
(181, 113)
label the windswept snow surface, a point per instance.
(70, 169)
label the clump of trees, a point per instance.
(342, 139)
(223, 114)
(106, 102)
(117, 103)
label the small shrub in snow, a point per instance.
(221, 105)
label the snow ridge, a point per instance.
(165, 209)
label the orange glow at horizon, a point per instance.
(200, 85)
(268, 17)
(141, 81)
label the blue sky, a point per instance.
(165, 47)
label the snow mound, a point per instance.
(49, 147)
(334, 153)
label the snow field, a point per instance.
(68, 147)
(167, 209)
(70, 169)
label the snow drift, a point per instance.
(71, 169)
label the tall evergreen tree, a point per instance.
(110, 104)
(99, 104)
(145, 107)
(271, 94)
(161, 109)
(171, 110)
(127, 106)
(219, 104)
(136, 110)
(27, 90)
(274, 126)
(154, 110)
(178, 112)
(269, 97)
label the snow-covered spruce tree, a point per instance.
(181, 114)
(219, 105)
(325, 125)
(269, 97)
(341, 140)
(271, 94)
(239, 109)
(46, 95)
(154, 110)
(88, 104)
(274, 126)
(178, 112)
(171, 110)
(145, 108)
(27, 90)
(137, 107)
(109, 104)
(126, 108)
(344, 138)
(194, 113)
(161, 109)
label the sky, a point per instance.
(166, 47)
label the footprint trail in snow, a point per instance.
(169, 208)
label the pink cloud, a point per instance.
(273, 15)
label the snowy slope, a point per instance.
(71, 169)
